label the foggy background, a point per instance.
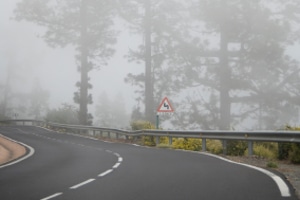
(55, 69)
(34, 63)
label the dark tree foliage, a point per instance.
(85, 24)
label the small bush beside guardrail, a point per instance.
(141, 125)
(290, 151)
(215, 141)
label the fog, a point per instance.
(200, 98)
(55, 69)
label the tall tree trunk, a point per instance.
(224, 82)
(149, 99)
(83, 101)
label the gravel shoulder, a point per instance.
(290, 171)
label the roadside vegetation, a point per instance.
(271, 151)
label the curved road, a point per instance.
(69, 167)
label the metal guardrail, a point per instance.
(250, 136)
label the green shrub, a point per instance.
(140, 125)
(187, 144)
(295, 153)
(264, 150)
(291, 150)
(164, 140)
(148, 141)
(178, 143)
(214, 146)
(283, 150)
(272, 165)
(236, 148)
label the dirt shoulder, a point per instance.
(10, 150)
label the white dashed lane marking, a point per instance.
(82, 184)
(116, 165)
(52, 196)
(105, 173)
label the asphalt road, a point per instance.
(67, 167)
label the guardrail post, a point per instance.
(170, 140)
(117, 135)
(101, 134)
(250, 148)
(108, 135)
(157, 140)
(224, 147)
(203, 144)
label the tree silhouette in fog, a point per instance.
(85, 24)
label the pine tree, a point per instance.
(85, 24)
(158, 24)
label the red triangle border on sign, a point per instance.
(161, 104)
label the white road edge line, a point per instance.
(105, 173)
(52, 196)
(31, 152)
(82, 184)
(120, 159)
(284, 189)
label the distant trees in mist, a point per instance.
(225, 63)
(65, 114)
(111, 113)
(26, 104)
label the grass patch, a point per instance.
(272, 164)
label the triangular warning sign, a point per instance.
(165, 106)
